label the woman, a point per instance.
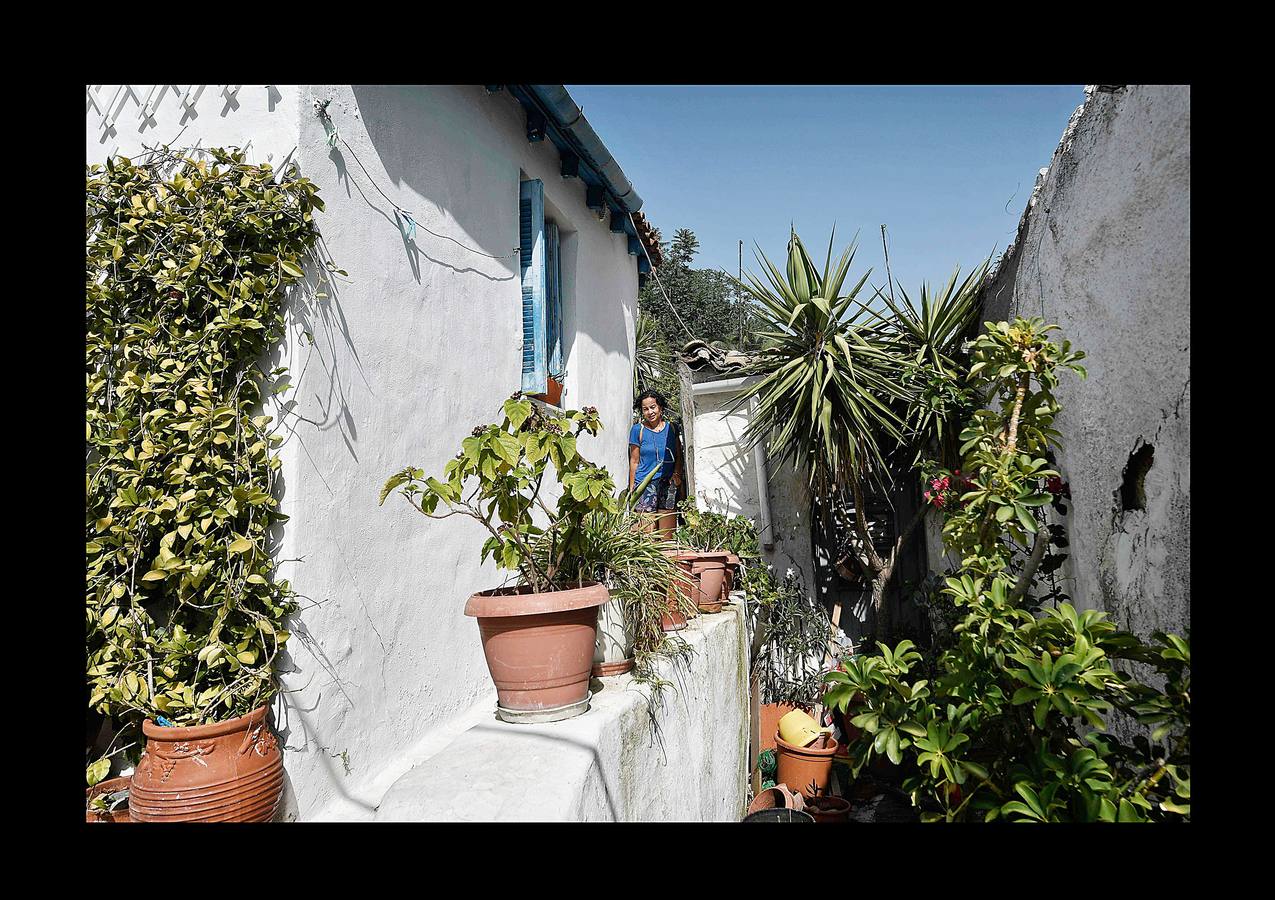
(655, 443)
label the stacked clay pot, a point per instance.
(675, 619)
(710, 572)
(225, 772)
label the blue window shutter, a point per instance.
(553, 338)
(531, 255)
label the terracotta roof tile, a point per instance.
(649, 235)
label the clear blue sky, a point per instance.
(948, 169)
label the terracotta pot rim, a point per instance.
(199, 732)
(523, 601)
(829, 751)
(830, 803)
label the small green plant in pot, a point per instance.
(539, 636)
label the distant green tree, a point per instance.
(706, 301)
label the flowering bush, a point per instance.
(1011, 721)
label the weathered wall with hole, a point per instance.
(394, 367)
(1104, 251)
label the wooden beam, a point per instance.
(617, 222)
(595, 197)
(635, 246)
(492, 88)
(535, 125)
(570, 165)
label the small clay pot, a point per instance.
(229, 771)
(808, 769)
(675, 618)
(728, 583)
(109, 786)
(773, 797)
(829, 809)
(539, 646)
(779, 814)
(707, 592)
(606, 670)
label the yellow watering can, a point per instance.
(799, 729)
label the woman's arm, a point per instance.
(634, 452)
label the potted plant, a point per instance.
(538, 636)
(639, 576)
(187, 266)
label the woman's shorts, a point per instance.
(660, 494)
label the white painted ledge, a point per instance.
(604, 766)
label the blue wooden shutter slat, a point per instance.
(554, 312)
(531, 243)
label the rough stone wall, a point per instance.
(1104, 251)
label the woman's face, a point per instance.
(650, 411)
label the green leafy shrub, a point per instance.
(508, 462)
(186, 268)
(1011, 721)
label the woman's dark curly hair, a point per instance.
(654, 395)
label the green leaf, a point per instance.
(242, 545)
(98, 771)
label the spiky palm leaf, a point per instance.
(650, 357)
(829, 374)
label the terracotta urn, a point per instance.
(539, 648)
(807, 769)
(229, 771)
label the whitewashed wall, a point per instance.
(726, 481)
(1104, 251)
(417, 346)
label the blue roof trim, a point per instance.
(569, 131)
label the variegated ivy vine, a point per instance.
(187, 265)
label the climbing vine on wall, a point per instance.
(187, 265)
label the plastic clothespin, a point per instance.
(165, 722)
(409, 228)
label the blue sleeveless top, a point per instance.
(655, 445)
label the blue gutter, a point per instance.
(569, 131)
(571, 121)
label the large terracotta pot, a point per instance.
(109, 786)
(225, 772)
(539, 646)
(807, 769)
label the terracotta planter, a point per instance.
(539, 647)
(225, 772)
(777, 797)
(828, 809)
(707, 592)
(807, 769)
(109, 786)
(675, 618)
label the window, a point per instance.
(540, 257)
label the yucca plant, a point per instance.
(650, 356)
(929, 339)
(845, 386)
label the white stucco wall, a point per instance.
(726, 481)
(1104, 251)
(610, 764)
(417, 346)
